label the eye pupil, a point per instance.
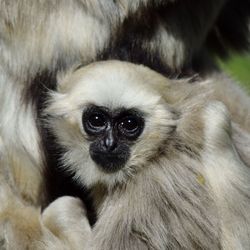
(97, 120)
(130, 124)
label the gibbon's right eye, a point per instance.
(94, 122)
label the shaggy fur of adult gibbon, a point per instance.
(40, 38)
(157, 156)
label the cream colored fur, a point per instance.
(182, 188)
(35, 35)
(62, 226)
(44, 35)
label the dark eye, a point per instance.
(97, 121)
(94, 122)
(131, 126)
(129, 123)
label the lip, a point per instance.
(108, 162)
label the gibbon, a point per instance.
(157, 156)
(38, 39)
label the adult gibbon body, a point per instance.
(158, 157)
(40, 38)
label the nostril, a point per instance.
(110, 143)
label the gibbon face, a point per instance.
(110, 119)
(111, 132)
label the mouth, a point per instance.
(109, 162)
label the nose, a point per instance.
(110, 142)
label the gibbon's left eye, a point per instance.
(131, 126)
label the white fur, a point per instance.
(20, 152)
(180, 188)
(229, 178)
(109, 84)
(57, 228)
(40, 35)
(63, 31)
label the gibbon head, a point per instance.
(110, 119)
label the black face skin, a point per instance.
(111, 134)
